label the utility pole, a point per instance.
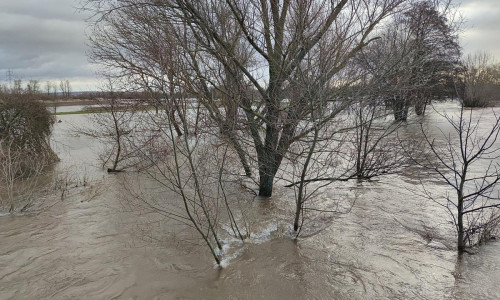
(10, 76)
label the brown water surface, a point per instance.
(392, 244)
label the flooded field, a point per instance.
(96, 244)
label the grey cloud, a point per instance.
(482, 14)
(43, 9)
(482, 26)
(43, 40)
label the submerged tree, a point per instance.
(437, 50)
(375, 146)
(417, 58)
(113, 122)
(251, 53)
(198, 169)
(467, 160)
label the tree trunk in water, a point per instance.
(118, 141)
(460, 221)
(420, 107)
(117, 156)
(174, 122)
(266, 185)
(400, 108)
(269, 162)
(266, 179)
(300, 198)
(197, 118)
(461, 242)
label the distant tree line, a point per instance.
(48, 91)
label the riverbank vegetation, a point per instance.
(25, 152)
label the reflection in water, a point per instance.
(391, 245)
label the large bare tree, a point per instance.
(240, 59)
(417, 58)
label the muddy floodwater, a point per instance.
(93, 244)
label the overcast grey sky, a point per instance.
(45, 39)
(482, 26)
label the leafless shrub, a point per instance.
(20, 175)
(197, 169)
(113, 123)
(466, 160)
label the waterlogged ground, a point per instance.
(96, 244)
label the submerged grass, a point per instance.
(93, 111)
(79, 112)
